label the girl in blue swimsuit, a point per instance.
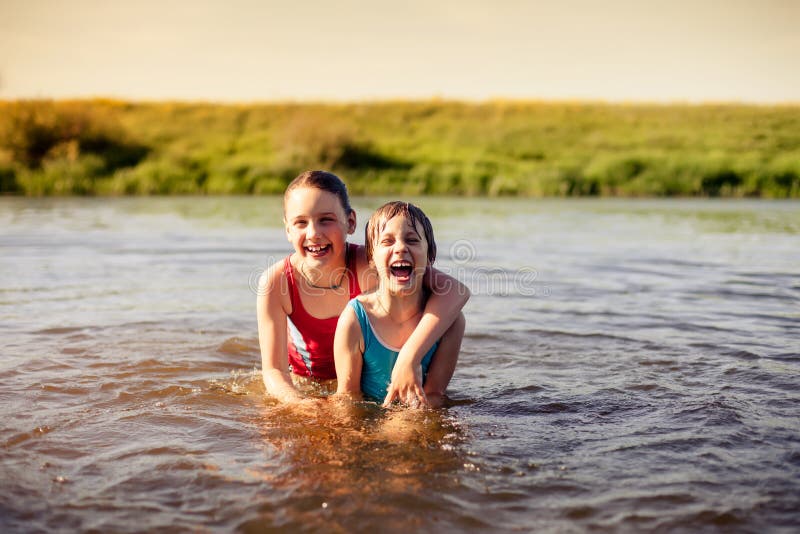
(399, 243)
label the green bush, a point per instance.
(33, 131)
(63, 176)
(402, 148)
(8, 178)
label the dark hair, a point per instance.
(390, 210)
(325, 181)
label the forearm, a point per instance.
(271, 315)
(430, 328)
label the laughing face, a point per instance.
(400, 255)
(317, 226)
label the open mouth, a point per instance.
(401, 269)
(317, 250)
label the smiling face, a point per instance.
(400, 255)
(317, 226)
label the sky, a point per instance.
(345, 50)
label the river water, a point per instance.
(628, 366)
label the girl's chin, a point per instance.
(401, 286)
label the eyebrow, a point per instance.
(410, 231)
(305, 216)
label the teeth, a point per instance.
(317, 248)
(401, 264)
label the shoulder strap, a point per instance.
(288, 272)
(351, 264)
(361, 315)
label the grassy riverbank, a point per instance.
(102, 147)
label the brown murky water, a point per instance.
(628, 366)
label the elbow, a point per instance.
(456, 291)
(463, 293)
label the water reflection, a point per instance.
(348, 465)
(653, 387)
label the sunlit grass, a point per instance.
(424, 147)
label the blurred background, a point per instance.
(568, 98)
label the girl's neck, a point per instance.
(400, 308)
(329, 275)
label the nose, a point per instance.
(311, 230)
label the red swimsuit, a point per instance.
(310, 340)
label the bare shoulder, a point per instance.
(348, 330)
(272, 277)
(369, 304)
(367, 298)
(273, 286)
(349, 308)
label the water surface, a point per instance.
(628, 366)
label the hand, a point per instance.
(406, 386)
(278, 384)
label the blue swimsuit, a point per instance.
(376, 369)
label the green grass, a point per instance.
(102, 147)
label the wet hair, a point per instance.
(390, 210)
(323, 180)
